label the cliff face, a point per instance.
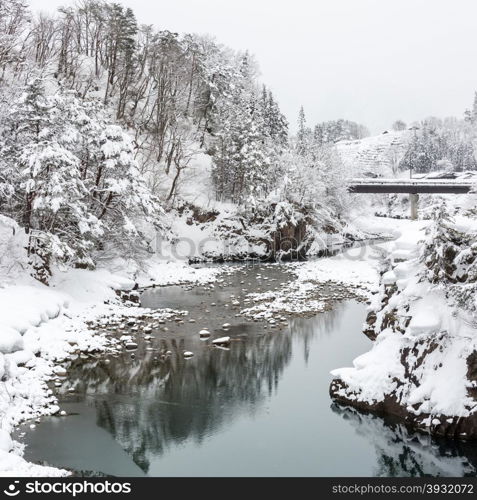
(279, 231)
(423, 364)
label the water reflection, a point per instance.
(170, 401)
(318, 327)
(150, 405)
(402, 453)
(260, 408)
(177, 400)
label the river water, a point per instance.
(259, 408)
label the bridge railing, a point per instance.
(410, 182)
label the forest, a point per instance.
(104, 119)
(109, 128)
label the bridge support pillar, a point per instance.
(414, 202)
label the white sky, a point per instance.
(371, 61)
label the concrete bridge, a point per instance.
(413, 187)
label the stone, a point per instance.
(222, 341)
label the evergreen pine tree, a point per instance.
(441, 247)
(302, 137)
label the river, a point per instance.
(259, 408)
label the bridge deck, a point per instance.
(409, 186)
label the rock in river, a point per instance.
(222, 341)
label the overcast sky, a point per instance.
(371, 61)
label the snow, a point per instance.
(10, 340)
(356, 269)
(425, 319)
(93, 208)
(40, 326)
(6, 442)
(374, 155)
(44, 304)
(172, 272)
(221, 236)
(411, 182)
(13, 465)
(439, 339)
(374, 373)
(351, 269)
(389, 278)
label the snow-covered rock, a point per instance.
(389, 278)
(10, 340)
(6, 442)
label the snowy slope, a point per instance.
(377, 155)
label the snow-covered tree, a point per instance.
(241, 158)
(13, 18)
(450, 258)
(249, 136)
(471, 115)
(338, 130)
(442, 245)
(303, 136)
(74, 178)
(274, 124)
(116, 191)
(437, 143)
(399, 125)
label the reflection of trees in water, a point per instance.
(322, 325)
(403, 453)
(148, 405)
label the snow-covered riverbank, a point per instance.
(49, 325)
(351, 274)
(422, 364)
(43, 326)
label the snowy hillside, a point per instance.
(378, 155)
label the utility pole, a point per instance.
(413, 197)
(414, 128)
